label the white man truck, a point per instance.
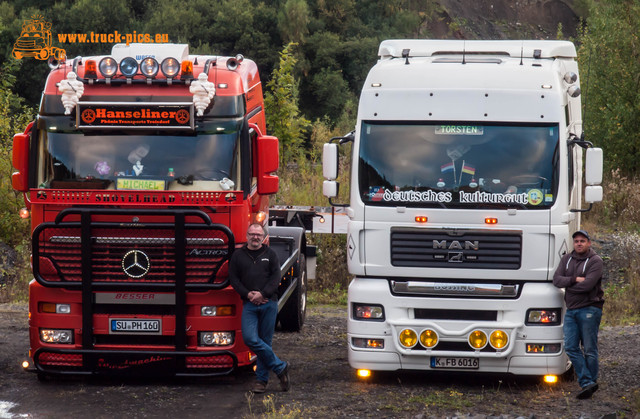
(466, 184)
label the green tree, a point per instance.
(609, 58)
(293, 21)
(14, 117)
(281, 103)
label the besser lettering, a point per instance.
(134, 296)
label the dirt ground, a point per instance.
(323, 385)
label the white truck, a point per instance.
(466, 185)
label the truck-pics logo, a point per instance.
(35, 41)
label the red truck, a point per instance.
(139, 191)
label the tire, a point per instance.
(294, 311)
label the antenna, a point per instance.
(521, 53)
(464, 52)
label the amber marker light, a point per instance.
(550, 379)
(261, 216)
(90, 70)
(364, 373)
(186, 69)
(421, 219)
(491, 221)
(24, 213)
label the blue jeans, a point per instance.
(581, 327)
(258, 326)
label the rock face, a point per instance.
(8, 259)
(503, 19)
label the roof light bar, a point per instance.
(170, 67)
(128, 67)
(149, 67)
(108, 67)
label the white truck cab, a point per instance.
(466, 184)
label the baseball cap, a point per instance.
(582, 233)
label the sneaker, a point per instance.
(284, 378)
(259, 387)
(587, 391)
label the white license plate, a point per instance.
(457, 363)
(135, 326)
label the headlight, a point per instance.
(499, 339)
(216, 311)
(368, 312)
(149, 67)
(56, 335)
(408, 338)
(368, 343)
(55, 308)
(544, 317)
(128, 67)
(543, 348)
(429, 338)
(170, 67)
(108, 67)
(477, 339)
(216, 338)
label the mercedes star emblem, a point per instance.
(135, 263)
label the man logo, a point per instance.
(135, 263)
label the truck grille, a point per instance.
(466, 249)
(133, 253)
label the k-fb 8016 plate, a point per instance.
(457, 363)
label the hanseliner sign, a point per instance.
(146, 115)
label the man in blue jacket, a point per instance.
(254, 272)
(580, 274)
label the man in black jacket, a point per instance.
(580, 274)
(254, 272)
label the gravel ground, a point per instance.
(323, 384)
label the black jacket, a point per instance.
(580, 294)
(255, 270)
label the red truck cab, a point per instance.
(142, 172)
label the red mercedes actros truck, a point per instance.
(142, 172)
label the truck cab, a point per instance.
(467, 182)
(141, 173)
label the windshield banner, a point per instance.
(94, 115)
(380, 194)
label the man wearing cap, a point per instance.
(580, 274)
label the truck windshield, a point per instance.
(136, 160)
(461, 165)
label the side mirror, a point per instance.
(20, 160)
(593, 167)
(268, 160)
(330, 188)
(330, 161)
(593, 194)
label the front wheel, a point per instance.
(295, 309)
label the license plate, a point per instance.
(458, 363)
(135, 326)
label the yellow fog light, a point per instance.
(499, 339)
(364, 373)
(477, 339)
(25, 364)
(550, 379)
(408, 338)
(428, 338)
